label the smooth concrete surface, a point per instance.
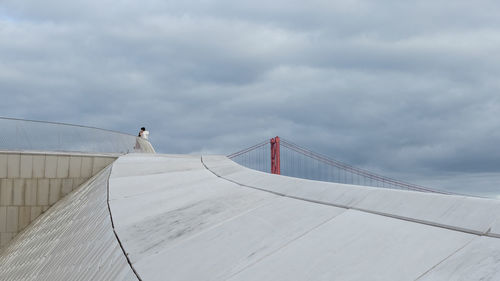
(474, 215)
(478, 260)
(154, 212)
(360, 246)
(495, 229)
(238, 243)
(73, 240)
(31, 182)
(180, 218)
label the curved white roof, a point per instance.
(187, 218)
(181, 217)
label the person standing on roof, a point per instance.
(143, 133)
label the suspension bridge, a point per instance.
(281, 156)
(122, 212)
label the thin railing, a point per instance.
(22, 134)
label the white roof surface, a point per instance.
(185, 218)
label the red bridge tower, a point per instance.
(275, 155)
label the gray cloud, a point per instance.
(409, 90)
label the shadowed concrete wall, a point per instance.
(73, 240)
(31, 182)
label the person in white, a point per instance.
(143, 133)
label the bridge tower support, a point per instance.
(275, 155)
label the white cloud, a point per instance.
(396, 86)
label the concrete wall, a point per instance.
(73, 240)
(31, 182)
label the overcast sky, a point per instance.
(408, 89)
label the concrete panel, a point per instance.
(43, 192)
(495, 228)
(222, 166)
(458, 212)
(183, 213)
(3, 165)
(75, 166)
(5, 238)
(329, 193)
(97, 165)
(86, 167)
(455, 212)
(30, 188)
(18, 192)
(50, 166)
(72, 241)
(55, 191)
(109, 160)
(6, 186)
(67, 186)
(38, 166)
(142, 164)
(35, 212)
(12, 219)
(3, 219)
(185, 209)
(126, 187)
(13, 165)
(78, 182)
(359, 246)
(26, 166)
(237, 243)
(24, 217)
(62, 167)
(100, 163)
(479, 260)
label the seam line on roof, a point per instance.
(114, 230)
(424, 222)
(285, 245)
(445, 259)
